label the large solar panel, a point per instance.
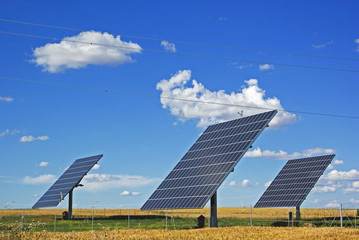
(294, 182)
(208, 162)
(68, 181)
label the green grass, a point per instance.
(47, 223)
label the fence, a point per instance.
(109, 219)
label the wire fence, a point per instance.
(51, 220)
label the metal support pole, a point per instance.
(70, 204)
(356, 213)
(297, 212)
(214, 220)
(341, 216)
(292, 217)
(171, 216)
(92, 216)
(55, 223)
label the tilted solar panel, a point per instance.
(208, 162)
(69, 180)
(294, 182)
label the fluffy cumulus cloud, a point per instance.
(43, 164)
(267, 184)
(31, 138)
(128, 193)
(97, 182)
(352, 188)
(336, 175)
(332, 204)
(194, 108)
(244, 183)
(42, 179)
(170, 47)
(265, 67)
(96, 167)
(83, 49)
(6, 99)
(280, 154)
(324, 189)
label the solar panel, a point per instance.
(294, 182)
(208, 162)
(68, 181)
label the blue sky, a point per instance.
(161, 48)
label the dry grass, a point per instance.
(241, 213)
(213, 233)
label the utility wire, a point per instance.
(173, 98)
(181, 54)
(186, 42)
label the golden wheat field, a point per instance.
(242, 213)
(212, 233)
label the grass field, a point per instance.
(114, 224)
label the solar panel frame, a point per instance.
(290, 187)
(67, 181)
(198, 175)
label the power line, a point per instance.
(182, 54)
(175, 99)
(188, 43)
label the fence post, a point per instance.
(251, 215)
(128, 218)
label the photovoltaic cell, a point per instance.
(208, 162)
(69, 180)
(294, 182)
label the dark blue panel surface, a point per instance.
(68, 180)
(294, 182)
(208, 162)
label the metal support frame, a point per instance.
(214, 220)
(70, 204)
(297, 212)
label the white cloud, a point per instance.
(330, 166)
(207, 114)
(244, 183)
(4, 133)
(97, 182)
(264, 67)
(96, 167)
(125, 193)
(332, 204)
(325, 189)
(338, 162)
(336, 175)
(280, 154)
(135, 193)
(76, 52)
(322, 45)
(267, 184)
(170, 47)
(357, 41)
(31, 138)
(352, 188)
(42, 179)
(353, 200)
(6, 99)
(222, 18)
(43, 164)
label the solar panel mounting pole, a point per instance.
(214, 220)
(70, 204)
(297, 212)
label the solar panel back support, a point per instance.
(197, 176)
(69, 180)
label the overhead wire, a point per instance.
(175, 99)
(182, 54)
(187, 42)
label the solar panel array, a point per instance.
(208, 162)
(69, 180)
(294, 182)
